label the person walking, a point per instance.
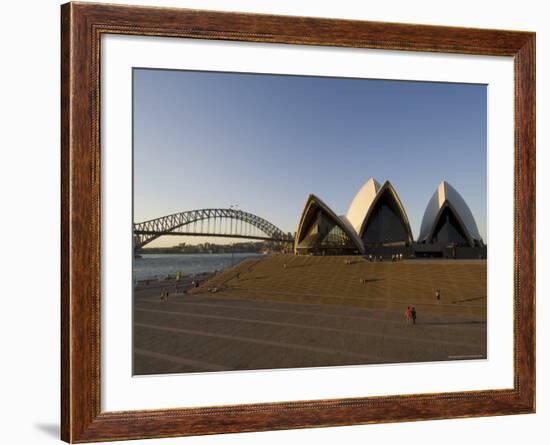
(413, 315)
(408, 314)
(437, 295)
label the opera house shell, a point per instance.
(448, 220)
(376, 223)
(376, 218)
(321, 231)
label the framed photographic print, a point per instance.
(274, 222)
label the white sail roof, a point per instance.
(445, 193)
(342, 222)
(361, 204)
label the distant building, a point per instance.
(377, 224)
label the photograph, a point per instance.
(285, 218)
(293, 221)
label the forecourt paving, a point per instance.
(222, 331)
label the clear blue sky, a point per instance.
(264, 142)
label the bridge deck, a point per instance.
(227, 223)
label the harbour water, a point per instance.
(159, 265)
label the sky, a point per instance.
(265, 142)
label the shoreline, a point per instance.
(154, 287)
(202, 253)
(161, 267)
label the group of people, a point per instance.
(410, 312)
(395, 257)
(178, 289)
(374, 258)
(410, 315)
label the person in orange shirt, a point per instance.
(408, 314)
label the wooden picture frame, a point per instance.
(82, 26)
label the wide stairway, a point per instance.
(354, 281)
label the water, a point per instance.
(159, 265)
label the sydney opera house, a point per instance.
(376, 224)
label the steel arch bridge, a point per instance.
(226, 223)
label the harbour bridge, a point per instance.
(226, 223)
